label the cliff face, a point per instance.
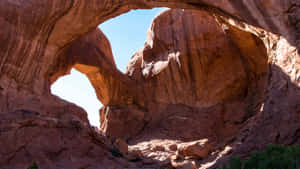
(43, 128)
(226, 72)
(57, 23)
(207, 77)
(192, 62)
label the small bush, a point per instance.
(273, 157)
(33, 166)
(116, 153)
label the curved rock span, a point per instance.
(214, 78)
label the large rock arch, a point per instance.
(58, 23)
(42, 40)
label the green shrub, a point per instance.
(33, 166)
(116, 153)
(273, 157)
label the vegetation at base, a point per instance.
(33, 166)
(116, 153)
(272, 157)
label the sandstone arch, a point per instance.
(194, 64)
(92, 56)
(55, 27)
(37, 44)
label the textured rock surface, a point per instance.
(27, 137)
(206, 76)
(217, 78)
(193, 71)
(53, 133)
(198, 149)
(58, 23)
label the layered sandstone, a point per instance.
(207, 77)
(57, 23)
(29, 137)
(193, 69)
(228, 72)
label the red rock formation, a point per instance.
(27, 137)
(49, 131)
(92, 56)
(193, 87)
(58, 23)
(192, 69)
(218, 78)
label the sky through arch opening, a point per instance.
(127, 34)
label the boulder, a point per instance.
(197, 149)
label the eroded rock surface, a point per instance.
(226, 71)
(194, 77)
(29, 137)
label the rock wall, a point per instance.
(57, 23)
(193, 63)
(227, 72)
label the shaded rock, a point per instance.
(51, 143)
(158, 148)
(122, 146)
(208, 73)
(134, 155)
(173, 147)
(121, 121)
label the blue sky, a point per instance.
(126, 33)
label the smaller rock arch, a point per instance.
(92, 56)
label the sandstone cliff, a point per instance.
(226, 72)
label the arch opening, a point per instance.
(127, 33)
(76, 88)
